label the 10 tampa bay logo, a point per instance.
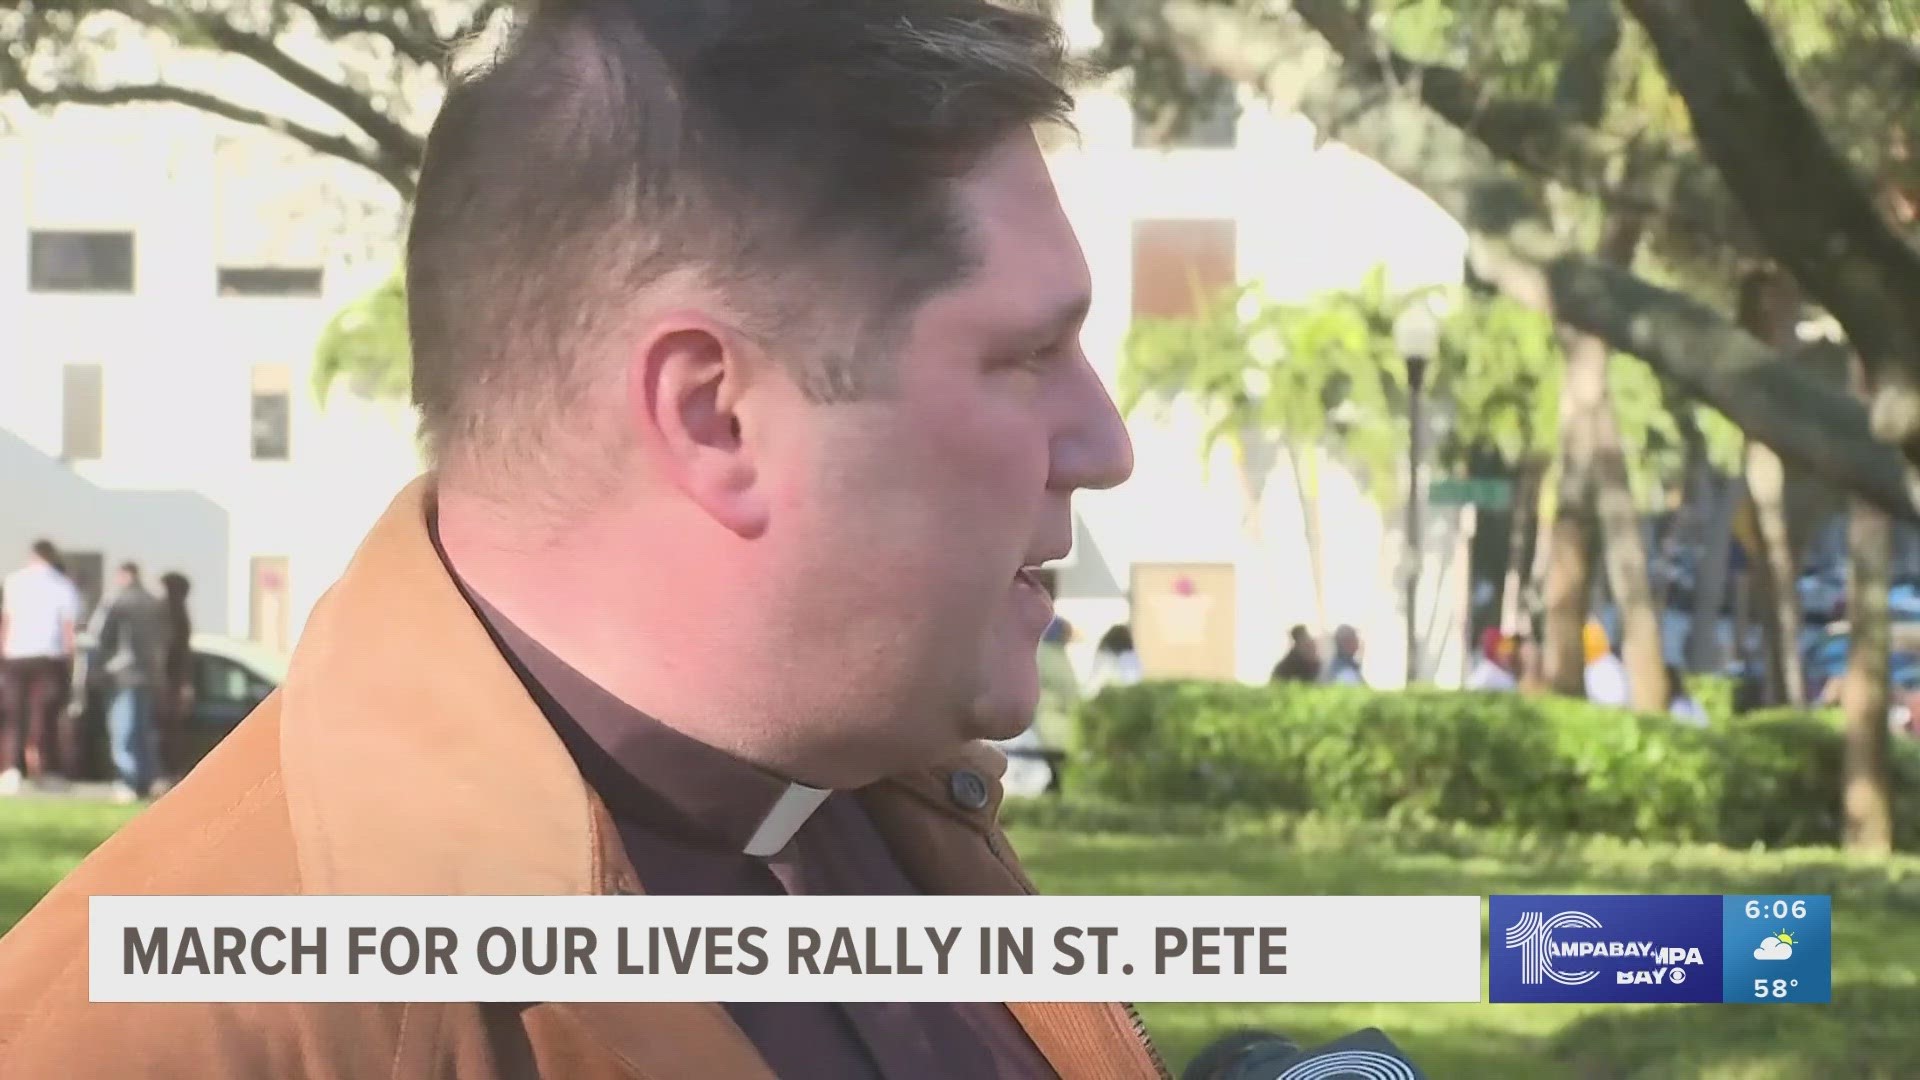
(1541, 953)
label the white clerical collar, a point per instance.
(789, 812)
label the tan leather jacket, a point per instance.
(404, 757)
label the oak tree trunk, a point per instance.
(1868, 784)
(1769, 308)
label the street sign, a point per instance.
(1487, 493)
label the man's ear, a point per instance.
(688, 378)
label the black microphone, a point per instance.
(1265, 1055)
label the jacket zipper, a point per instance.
(1153, 1052)
(1134, 1019)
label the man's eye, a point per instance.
(1040, 358)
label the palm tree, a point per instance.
(1267, 377)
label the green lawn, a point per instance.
(1872, 1030)
(41, 839)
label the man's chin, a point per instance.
(997, 718)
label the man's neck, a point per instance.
(651, 628)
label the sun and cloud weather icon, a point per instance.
(1777, 947)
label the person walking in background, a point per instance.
(174, 708)
(1302, 662)
(1490, 672)
(1115, 663)
(38, 613)
(130, 653)
(1680, 704)
(1526, 664)
(1344, 669)
(1606, 676)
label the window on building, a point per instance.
(269, 280)
(267, 615)
(82, 413)
(1207, 118)
(1181, 265)
(272, 412)
(80, 261)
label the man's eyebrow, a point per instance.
(1070, 314)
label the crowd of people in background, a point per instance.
(1504, 663)
(134, 651)
(1302, 663)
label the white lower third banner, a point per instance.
(786, 948)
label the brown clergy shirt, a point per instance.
(685, 813)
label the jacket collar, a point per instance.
(414, 760)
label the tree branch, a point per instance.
(1677, 188)
(1814, 212)
(395, 140)
(1512, 243)
(421, 48)
(395, 173)
(1580, 92)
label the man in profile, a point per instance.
(746, 344)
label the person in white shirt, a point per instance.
(39, 611)
(1490, 673)
(1606, 676)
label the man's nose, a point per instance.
(1093, 448)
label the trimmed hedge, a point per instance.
(1715, 694)
(1519, 762)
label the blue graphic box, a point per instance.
(1779, 948)
(1593, 948)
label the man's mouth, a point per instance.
(1030, 577)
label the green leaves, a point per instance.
(1323, 373)
(366, 344)
(1500, 366)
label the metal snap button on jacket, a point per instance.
(968, 788)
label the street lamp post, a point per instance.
(1417, 334)
(1416, 386)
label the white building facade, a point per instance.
(164, 279)
(1301, 219)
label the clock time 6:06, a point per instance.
(1779, 909)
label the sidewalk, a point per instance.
(75, 790)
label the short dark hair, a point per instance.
(46, 552)
(761, 146)
(130, 568)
